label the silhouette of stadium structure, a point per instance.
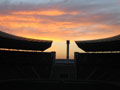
(101, 60)
(23, 58)
(100, 45)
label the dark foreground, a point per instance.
(33, 70)
(38, 84)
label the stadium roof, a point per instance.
(106, 44)
(15, 42)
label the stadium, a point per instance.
(101, 45)
(100, 60)
(25, 60)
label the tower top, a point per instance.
(68, 41)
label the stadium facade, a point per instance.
(100, 45)
(14, 42)
(100, 60)
(23, 58)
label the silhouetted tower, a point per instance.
(68, 43)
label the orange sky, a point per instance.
(60, 23)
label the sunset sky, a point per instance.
(61, 20)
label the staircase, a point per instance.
(64, 70)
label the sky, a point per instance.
(61, 20)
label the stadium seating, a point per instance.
(26, 65)
(98, 66)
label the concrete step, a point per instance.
(64, 61)
(64, 71)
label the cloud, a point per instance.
(73, 19)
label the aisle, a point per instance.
(64, 70)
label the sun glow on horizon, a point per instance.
(60, 20)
